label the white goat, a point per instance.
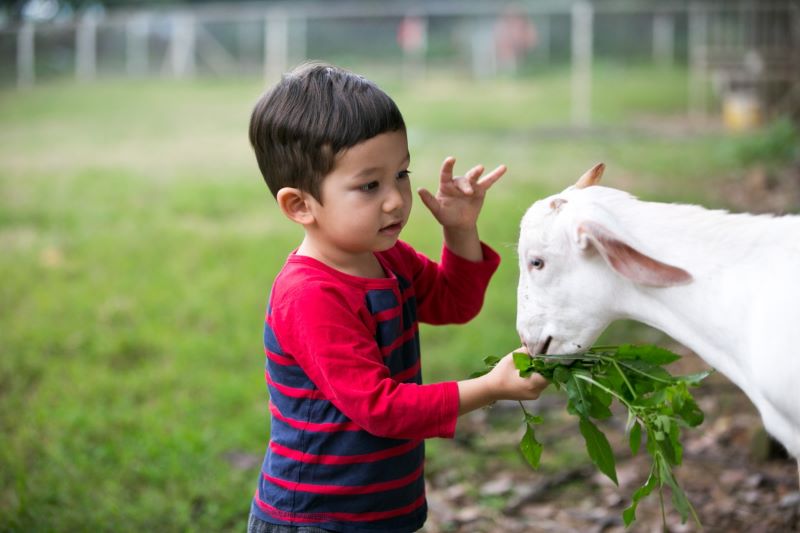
(727, 286)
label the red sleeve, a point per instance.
(451, 292)
(332, 340)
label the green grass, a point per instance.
(139, 244)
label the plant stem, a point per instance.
(624, 378)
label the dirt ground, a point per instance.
(737, 478)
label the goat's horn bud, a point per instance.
(590, 177)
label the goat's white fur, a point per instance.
(738, 307)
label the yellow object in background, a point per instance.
(741, 111)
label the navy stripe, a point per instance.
(388, 331)
(307, 409)
(289, 375)
(410, 311)
(350, 474)
(298, 501)
(402, 358)
(402, 282)
(335, 443)
(270, 341)
(380, 300)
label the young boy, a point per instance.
(349, 411)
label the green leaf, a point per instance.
(695, 379)
(629, 514)
(530, 447)
(599, 449)
(490, 362)
(679, 499)
(599, 402)
(652, 372)
(522, 362)
(561, 375)
(578, 394)
(648, 353)
(635, 438)
(689, 411)
(533, 419)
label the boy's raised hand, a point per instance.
(459, 199)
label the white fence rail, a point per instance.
(482, 38)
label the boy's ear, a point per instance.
(295, 204)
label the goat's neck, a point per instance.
(694, 321)
(720, 250)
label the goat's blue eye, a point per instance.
(537, 263)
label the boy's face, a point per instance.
(366, 197)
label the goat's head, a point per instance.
(576, 261)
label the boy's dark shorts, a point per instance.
(256, 525)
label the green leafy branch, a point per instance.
(658, 406)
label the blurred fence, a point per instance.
(731, 46)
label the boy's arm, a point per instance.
(453, 291)
(336, 349)
(464, 242)
(458, 203)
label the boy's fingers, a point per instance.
(489, 179)
(446, 174)
(474, 173)
(463, 184)
(429, 200)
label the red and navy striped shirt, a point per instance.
(348, 408)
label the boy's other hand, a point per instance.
(506, 382)
(460, 198)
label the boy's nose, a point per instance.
(394, 200)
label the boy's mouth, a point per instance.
(392, 229)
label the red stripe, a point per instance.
(388, 314)
(281, 360)
(304, 457)
(294, 392)
(343, 490)
(407, 374)
(325, 427)
(402, 339)
(344, 517)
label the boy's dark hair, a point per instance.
(315, 112)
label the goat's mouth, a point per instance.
(542, 347)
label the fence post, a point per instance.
(26, 55)
(698, 52)
(663, 39)
(137, 29)
(86, 47)
(412, 36)
(182, 45)
(299, 36)
(582, 40)
(543, 29)
(276, 45)
(483, 48)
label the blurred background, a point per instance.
(138, 241)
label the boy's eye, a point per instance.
(367, 187)
(403, 174)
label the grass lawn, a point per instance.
(139, 244)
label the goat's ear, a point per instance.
(591, 176)
(627, 261)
